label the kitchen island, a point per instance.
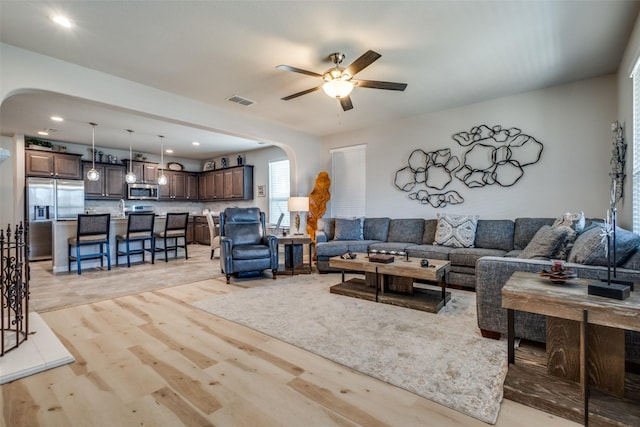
(64, 229)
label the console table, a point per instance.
(584, 350)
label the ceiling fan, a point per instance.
(339, 82)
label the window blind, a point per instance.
(636, 148)
(348, 181)
(279, 185)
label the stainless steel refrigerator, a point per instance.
(49, 200)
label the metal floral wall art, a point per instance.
(618, 160)
(493, 156)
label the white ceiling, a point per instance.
(450, 53)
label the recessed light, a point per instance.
(43, 132)
(61, 20)
(57, 119)
(168, 151)
(195, 143)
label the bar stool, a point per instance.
(175, 228)
(139, 229)
(91, 230)
(213, 234)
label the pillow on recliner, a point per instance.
(349, 229)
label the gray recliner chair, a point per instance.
(245, 248)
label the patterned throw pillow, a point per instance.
(456, 231)
(574, 224)
(349, 229)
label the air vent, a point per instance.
(240, 100)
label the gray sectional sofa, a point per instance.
(493, 237)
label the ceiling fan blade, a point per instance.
(298, 70)
(374, 84)
(304, 92)
(366, 59)
(346, 103)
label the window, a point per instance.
(348, 181)
(636, 147)
(279, 191)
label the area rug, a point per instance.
(441, 357)
(41, 351)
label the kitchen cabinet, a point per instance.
(234, 183)
(202, 230)
(52, 165)
(191, 235)
(180, 186)
(145, 172)
(111, 184)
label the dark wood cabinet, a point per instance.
(235, 183)
(145, 172)
(191, 186)
(53, 165)
(201, 230)
(191, 235)
(180, 186)
(111, 184)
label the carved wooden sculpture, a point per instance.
(318, 203)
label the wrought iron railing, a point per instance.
(14, 281)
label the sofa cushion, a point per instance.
(457, 231)
(333, 248)
(429, 251)
(429, 234)
(376, 228)
(469, 256)
(525, 228)
(546, 243)
(349, 229)
(589, 247)
(406, 230)
(328, 225)
(495, 234)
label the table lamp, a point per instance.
(297, 205)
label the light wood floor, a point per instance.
(151, 359)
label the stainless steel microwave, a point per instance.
(143, 191)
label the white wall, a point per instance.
(6, 184)
(571, 121)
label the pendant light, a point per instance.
(93, 174)
(130, 177)
(162, 179)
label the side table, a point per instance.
(294, 253)
(582, 375)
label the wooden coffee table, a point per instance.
(393, 283)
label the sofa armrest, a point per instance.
(492, 273)
(321, 237)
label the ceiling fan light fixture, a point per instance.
(337, 88)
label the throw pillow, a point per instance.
(545, 243)
(589, 247)
(456, 231)
(574, 224)
(349, 229)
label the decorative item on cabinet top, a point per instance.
(174, 166)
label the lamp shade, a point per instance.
(298, 204)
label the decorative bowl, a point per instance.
(559, 277)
